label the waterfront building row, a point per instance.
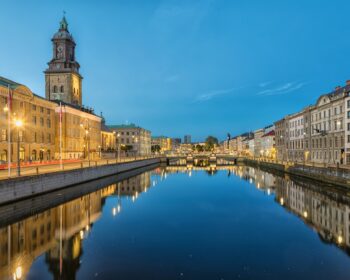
(34, 128)
(318, 134)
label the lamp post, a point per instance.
(136, 140)
(7, 111)
(86, 128)
(18, 124)
(118, 146)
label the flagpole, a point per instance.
(9, 130)
(61, 165)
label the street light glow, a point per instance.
(19, 123)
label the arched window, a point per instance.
(54, 88)
(62, 88)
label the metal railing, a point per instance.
(35, 169)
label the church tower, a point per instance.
(62, 78)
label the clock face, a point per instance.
(59, 51)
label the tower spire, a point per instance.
(63, 22)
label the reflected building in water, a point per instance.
(325, 210)
(59, 232)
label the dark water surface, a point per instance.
(234, 223)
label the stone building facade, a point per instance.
(62, 78)
(280, 139)
(328, 127)
(132, 139)
(39, 136)
(295, 137)
(36, 137)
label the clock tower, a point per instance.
(62, 79)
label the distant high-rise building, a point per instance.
(187, 139)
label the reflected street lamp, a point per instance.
(18, 124)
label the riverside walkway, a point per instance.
(37, 168)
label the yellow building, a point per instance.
(81, 133)
(165, 143)
(36, 135)
(34, 122)
(108, 138)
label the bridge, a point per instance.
(201, 159)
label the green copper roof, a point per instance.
(132, 125)
(64, 24)
(5, 82)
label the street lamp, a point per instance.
(118, 143)
(18, 124)
(7, 111)
(100, 151)
(87, 139)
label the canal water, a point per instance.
(176, 223)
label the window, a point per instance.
(348, 126)
(34, 107)
(335, 111)
(34, 120)
(48, 123)
(48, 111)
(41, 109)
(20, 134)
(42, 121)
(348, 114)
(3, 134)
(349, 103)
(62, 88)
(35, 137)
(42, 137)
(49, 138)
(54, 89)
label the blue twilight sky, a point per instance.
(186, 67)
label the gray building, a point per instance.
(187, 139)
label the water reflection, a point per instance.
(58, 232)
(324, 208)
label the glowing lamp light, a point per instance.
(305, 214)
(340, 239)
(18, 273)
(281, 201)
(19, 123)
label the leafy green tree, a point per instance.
(199, 148)
(126, 148)
(155, 149)
(210, 143)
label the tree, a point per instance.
(126, 148)
(199, 148)
(155, 149)
(210, 143)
